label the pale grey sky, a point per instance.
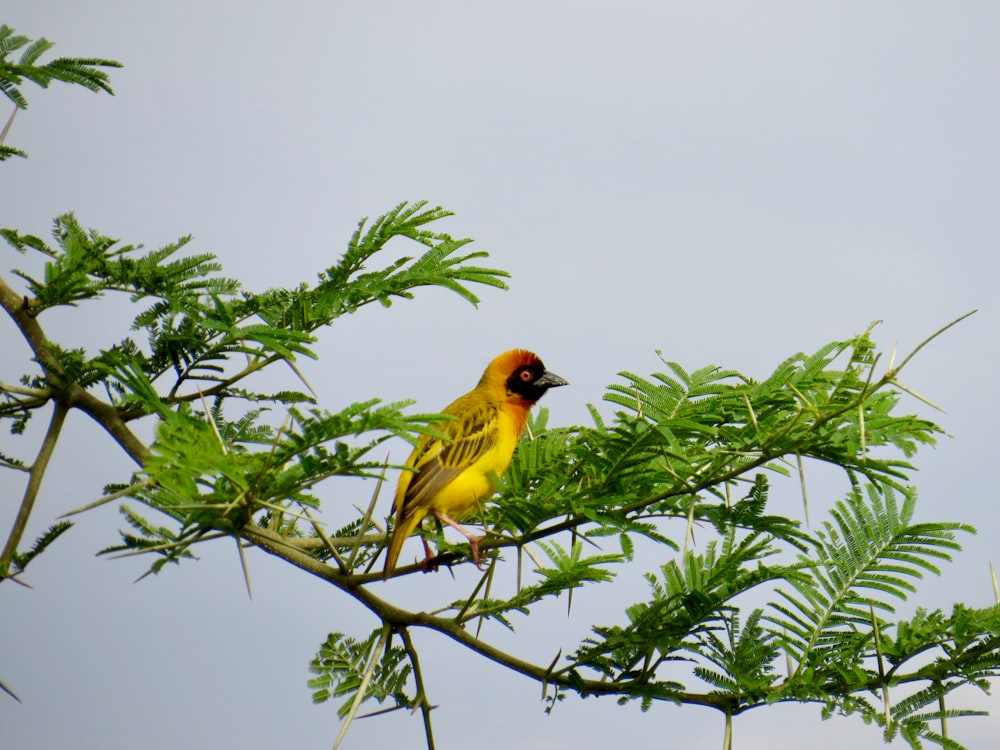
(728, 182)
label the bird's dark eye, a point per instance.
(526, 376)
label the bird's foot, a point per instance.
(477, 559)
(427, 565)
(473, 539)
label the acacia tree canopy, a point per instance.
(682, 450)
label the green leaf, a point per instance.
(339, 667)
(19, 560)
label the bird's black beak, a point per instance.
(549, 380)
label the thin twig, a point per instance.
(35, 476)
(424, 704)
(367, 519)
(3, 137)
(750, 411)
(281, 509)
(886, 706)
(302, 377)
(460, 616)
(861, 431)
(916, 395)
(534, 558)
(205, 537)
(275, 517)
(125, 492)
(944, 716)
(490, 577)
(552, 666)
(892, 373)
(212, 424)
(329, 544)
(20, 390)
(688, 532)
(996, 588)
(802, 483)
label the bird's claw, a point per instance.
(477, 559)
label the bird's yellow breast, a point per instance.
(473, 485)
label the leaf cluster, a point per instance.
(196, 340)
(671, 461)
(83, 71)
(683, 467)
(685, 454)
(195, 326)
(340, 666)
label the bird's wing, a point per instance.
(438, 462)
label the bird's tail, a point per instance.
(404, 528)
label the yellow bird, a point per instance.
(450, 478)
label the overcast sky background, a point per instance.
(728, 182)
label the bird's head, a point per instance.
(521, 373)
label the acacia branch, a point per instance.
(422, 701)
(569, 678)
(70, 395)
(400, 619)
(765, 456)
(35, 476)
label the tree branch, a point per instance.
(70, 395)
(35, 476)
(422, 701)
(400, 618)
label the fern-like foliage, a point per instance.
(688, 604)
(741, 659)
(865, 559)
(567, 570)
(201, 336)
(83, 71)
(209, 484)
(807, 407)
(351, 284)
(340, 666)
(196, 322)
(19, 561)
(683, 465)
